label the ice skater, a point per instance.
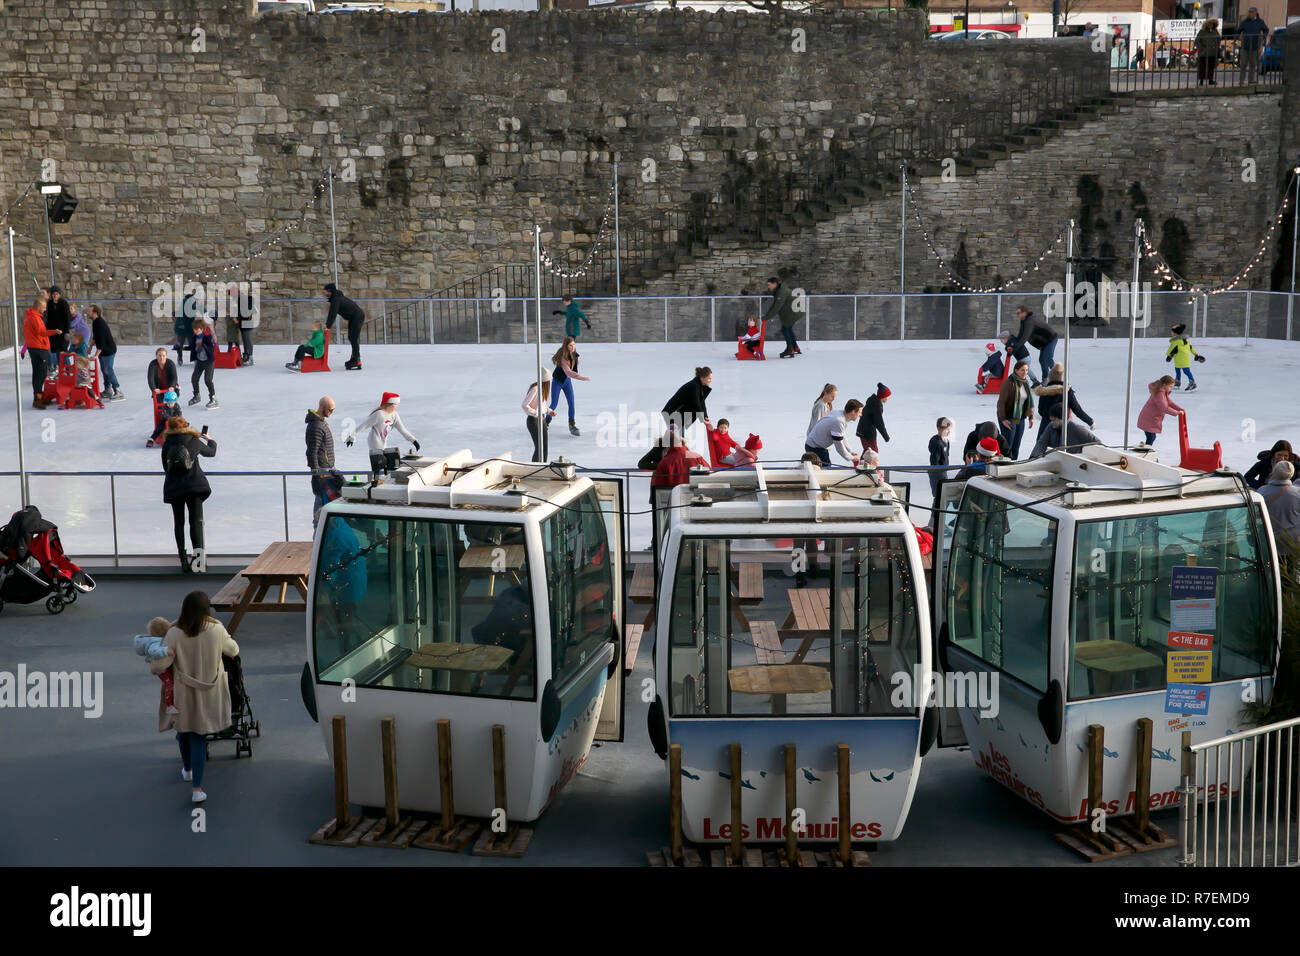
(353, 315)
(203, 350)
(566, 371)
(1034, 331)
(782, 307)
(992, 369)
(1181, 353)
(574, 318)
(824, 405)
(687, 406)
(529, 405)
(939, 446)
(382, 422)
(1151, 418)
(872, 423)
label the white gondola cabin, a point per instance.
(790, 601)
(483, 591)
(1064, 581)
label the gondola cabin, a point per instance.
(791, 610)
(1100, 588)
(483, 591)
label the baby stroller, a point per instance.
(33, 566)
(243, 728)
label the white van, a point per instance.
(285, 6)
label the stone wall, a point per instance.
(185, 146)
(1176, 160)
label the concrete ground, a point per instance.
(107, 791)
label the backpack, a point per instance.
(179, 461)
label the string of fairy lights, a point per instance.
(1182, 284)
(554, 268)
(962, 282)
(236, 266)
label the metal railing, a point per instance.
(485, 319)
(1184, 71)
(1241, 799)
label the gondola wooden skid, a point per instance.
(1138, 832)
(515, 839)
(343, 829)
(676, 854)
(394, 831)
(1094, 846)
(449, 834)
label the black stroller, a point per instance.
(33, 566)
(243, 728)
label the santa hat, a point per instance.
(990, 347)
(988, 447)
(390, 398)
(753, 443)
(882, 391)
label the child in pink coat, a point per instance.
(1151, 418)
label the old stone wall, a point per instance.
(1202, 171)
(190, 130)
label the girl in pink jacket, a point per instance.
(1151, 419)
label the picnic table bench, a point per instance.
(810, 617)
(283, 564)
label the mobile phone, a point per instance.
(205, 430)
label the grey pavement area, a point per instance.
(107, 791)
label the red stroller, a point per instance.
(33, 566)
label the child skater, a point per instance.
(749, 338)
(314, 347)
(992, 368)
(1181, 354)
(171, 409)
(939, 452)
(151, 647)
(85, 382)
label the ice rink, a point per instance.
(457, 396)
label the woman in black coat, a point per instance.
(686, 407)
(185, 487)
(1257, 476)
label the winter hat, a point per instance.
(988, 447)
(990, 347)
(390, 398)
(54, 289)
(753, 443)
(1282, 471)
(331, 288)
(1179, 329)
(882, 391)
(170, 396)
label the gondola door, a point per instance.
(947, 505)
(609, 492)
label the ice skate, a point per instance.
(194, 401)
(1190, 388)
(573, 428)
(213, 403)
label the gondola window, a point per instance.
(999, 595)
(746, 639)
(580, 582)
(425, 606)
(1121, 613)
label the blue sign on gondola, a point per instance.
(1187, 699)
(1193, 583)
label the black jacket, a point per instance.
(689, 400)
(1034, 331)
(164, 381)
(984, 430)
(193, 482)
(872, 420)
(320, 443)
(1049, 395)
(1257, 476)
(58, 316)
(103, 337)
(342, 305)
(1018, 350)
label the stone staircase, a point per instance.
(851, 191)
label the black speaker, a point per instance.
(64, 205)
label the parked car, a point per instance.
(975, 34)
(285, 6)
(1271, 58)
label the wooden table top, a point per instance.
(812, 608)
(284, 559)
(484, 556)
(1114, 656)
(460, 657)
(642, 588)
(779, 679)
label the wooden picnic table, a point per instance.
(495, 559)
(1108, 658)
(283, 564)
(642, 589)
(447, 656)
(810, 617)
(779, 679)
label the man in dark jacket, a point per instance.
(1034, 331)
(872, 422)
(1252, 33)
(352, 314)
(58, 319)
(1049, 396)
(783, 308)
(106, 352)
(320, 455)
(1076, 435)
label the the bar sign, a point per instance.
(1191, 640)
(1187, 699)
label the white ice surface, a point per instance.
(468, 397)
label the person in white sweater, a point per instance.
(529, 405)
(824, 405)
(381, 423)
